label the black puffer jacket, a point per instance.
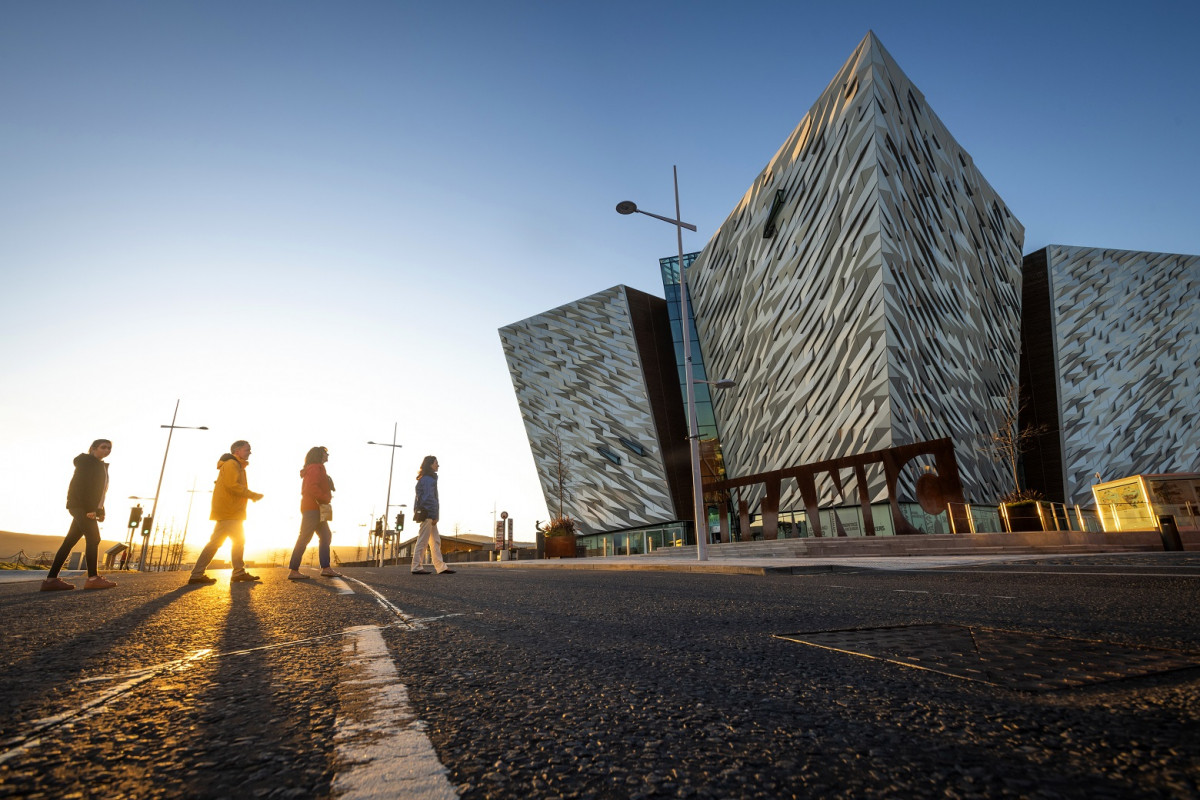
(86, 492)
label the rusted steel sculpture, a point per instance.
(933, 489)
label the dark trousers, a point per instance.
(81, 528)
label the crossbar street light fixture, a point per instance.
(154, 509)
(700, 516)
(387, 505)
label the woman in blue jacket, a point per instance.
(426, 509)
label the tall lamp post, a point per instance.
(154, 510)
(387, 505)
(187, 520)
(700, 517)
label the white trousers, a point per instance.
(428, 539)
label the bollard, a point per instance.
(1169, 532)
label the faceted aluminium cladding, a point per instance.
(600, 372)
(1111, 365)
(865, 293)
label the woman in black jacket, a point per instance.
(85, 501)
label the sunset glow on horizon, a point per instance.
(306, 221)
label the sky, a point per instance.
(305, 221)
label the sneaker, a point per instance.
(245, 577)
(97, 582)
(419, 572)
(201, 579)
(55, 585)
(446, 572)
(329, 573)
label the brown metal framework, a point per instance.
(941, 488)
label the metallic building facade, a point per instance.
(599, 373)
(1110, 365)
(865, 293)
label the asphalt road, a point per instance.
(543, 683)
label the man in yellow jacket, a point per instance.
(229, 511)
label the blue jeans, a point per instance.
(310, 523)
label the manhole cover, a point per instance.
(1011, 659)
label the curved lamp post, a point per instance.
(700, 518)
(157, 489)
(391, 468)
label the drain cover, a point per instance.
(1026, 661)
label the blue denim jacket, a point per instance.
(427, 496)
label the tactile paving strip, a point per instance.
(1015, 660)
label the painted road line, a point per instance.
(377, 734)
(1069, 572)
(337, 583)
(27, 740)
(158, 669)
(383, 601)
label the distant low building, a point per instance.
(450, 544)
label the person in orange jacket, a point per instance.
(230, 495)
(316, 490)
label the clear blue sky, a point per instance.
(307, 220)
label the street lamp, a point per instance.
(187, 520)
(700, 517)
(391, 467)
(157, 489)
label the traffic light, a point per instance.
(379, 527)
(400, 521)
(147, 523)
(135, 516)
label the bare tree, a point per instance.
(560, 469)
(1008, 442)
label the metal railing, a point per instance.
(1046, 516)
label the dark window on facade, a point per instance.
(609, 454)
(632, 446)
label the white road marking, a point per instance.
(23, 742)
(954, 594)
(378, 735)
(1071, 572)
(383, 601)
(29, 738)
(337, 583)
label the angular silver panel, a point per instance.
(883, 309)
(577, 369)
(1127, 345)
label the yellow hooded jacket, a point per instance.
(230, 492)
